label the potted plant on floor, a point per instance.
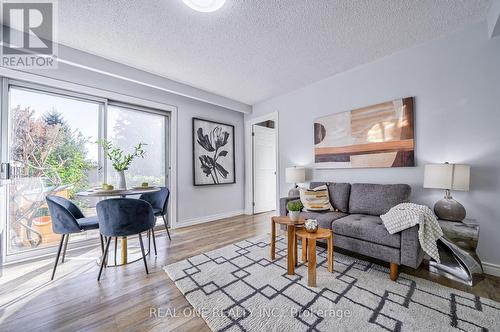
(294, 208)
(120, 160)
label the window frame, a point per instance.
(167, 111)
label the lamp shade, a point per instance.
(447, 176)
(295, 174)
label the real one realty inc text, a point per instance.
(239, 312)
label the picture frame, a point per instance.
(375, 136)
(213, 152)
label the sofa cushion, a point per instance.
(317, 184)
(377, 199)
(324, 219)
(316, 199)
(339, 194)
(367, 228)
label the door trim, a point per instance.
(249, 181)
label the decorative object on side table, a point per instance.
(295, 175)
(213, 153)
(294, 208)
(120, 160)
(311, 225)
(457, 250)
(448, 177)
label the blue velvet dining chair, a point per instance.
(124, 217)
(159, 202)
(68, 219)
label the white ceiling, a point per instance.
(251, 50)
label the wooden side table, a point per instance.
(310, 239)
(292, 242)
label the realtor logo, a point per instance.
(28, 34)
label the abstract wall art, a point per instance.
(380, 135)
(213, 153)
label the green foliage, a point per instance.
(119, 159)
(47, 148)
(68, 158)
(53, 117)
(295, 205)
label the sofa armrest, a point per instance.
(411, 252)
(284, 201)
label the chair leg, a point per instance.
(149, 241)
(143, 253)
(102, 247)
(166, 227)
(154, 241)
(57, 257)
(104, 257)
(102, 243)
(116, 248)
(65, 248)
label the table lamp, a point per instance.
(448, 177)
(295, 175)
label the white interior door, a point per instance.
(264, 169)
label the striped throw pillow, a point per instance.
(316, 199)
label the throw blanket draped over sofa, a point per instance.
(406, 215)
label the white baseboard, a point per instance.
(492, 269)
(204, 219)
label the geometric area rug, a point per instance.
(237, 288)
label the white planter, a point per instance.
(294, 215)
(122, 184)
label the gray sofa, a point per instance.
(357, 226)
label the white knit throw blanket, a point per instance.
(406, 215)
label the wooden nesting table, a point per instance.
(292, 241)
(309, 242)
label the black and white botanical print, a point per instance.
(213, 155)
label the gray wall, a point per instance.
(193, 202)
(456, 84)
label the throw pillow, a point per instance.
(316, 199)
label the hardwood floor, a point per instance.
(126, 299)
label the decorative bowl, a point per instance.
(311, 225)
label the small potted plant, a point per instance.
(294, 208)
(120, 160)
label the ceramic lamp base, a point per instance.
(294, 192)
(449, 209)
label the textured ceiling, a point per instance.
(251, 50)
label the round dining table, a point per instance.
(100, 193)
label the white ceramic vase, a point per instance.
(122, 184)
(294, 215)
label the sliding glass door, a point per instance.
(52, 150)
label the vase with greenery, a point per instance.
(121, 160)
(294, 208)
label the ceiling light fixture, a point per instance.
(205, 6)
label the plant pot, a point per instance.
(122, 184)
(42, 221)
(294, 215)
